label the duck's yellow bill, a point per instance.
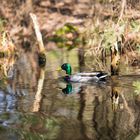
(58, 69)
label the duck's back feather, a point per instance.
(85, 77)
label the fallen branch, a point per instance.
(42, 62)
(37, 32)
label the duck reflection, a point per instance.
(68, 89)
(72, 88)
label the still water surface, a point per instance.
(60, 111)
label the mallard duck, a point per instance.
(82, 77)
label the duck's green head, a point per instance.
(67, 68)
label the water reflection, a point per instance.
(68, 89)
(7, 108)
(72, 88)
(115, 98)
(33, 105)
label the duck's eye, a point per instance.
(65, 66)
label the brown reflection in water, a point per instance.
(27, 82)
(108, 112)
(101, 115)
(114, 98)
(115, 118)
(81, 113)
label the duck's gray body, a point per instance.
(88, 77)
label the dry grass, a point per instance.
(7, 50)
(121, 23)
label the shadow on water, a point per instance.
(62, 111)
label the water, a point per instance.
(54, 110)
